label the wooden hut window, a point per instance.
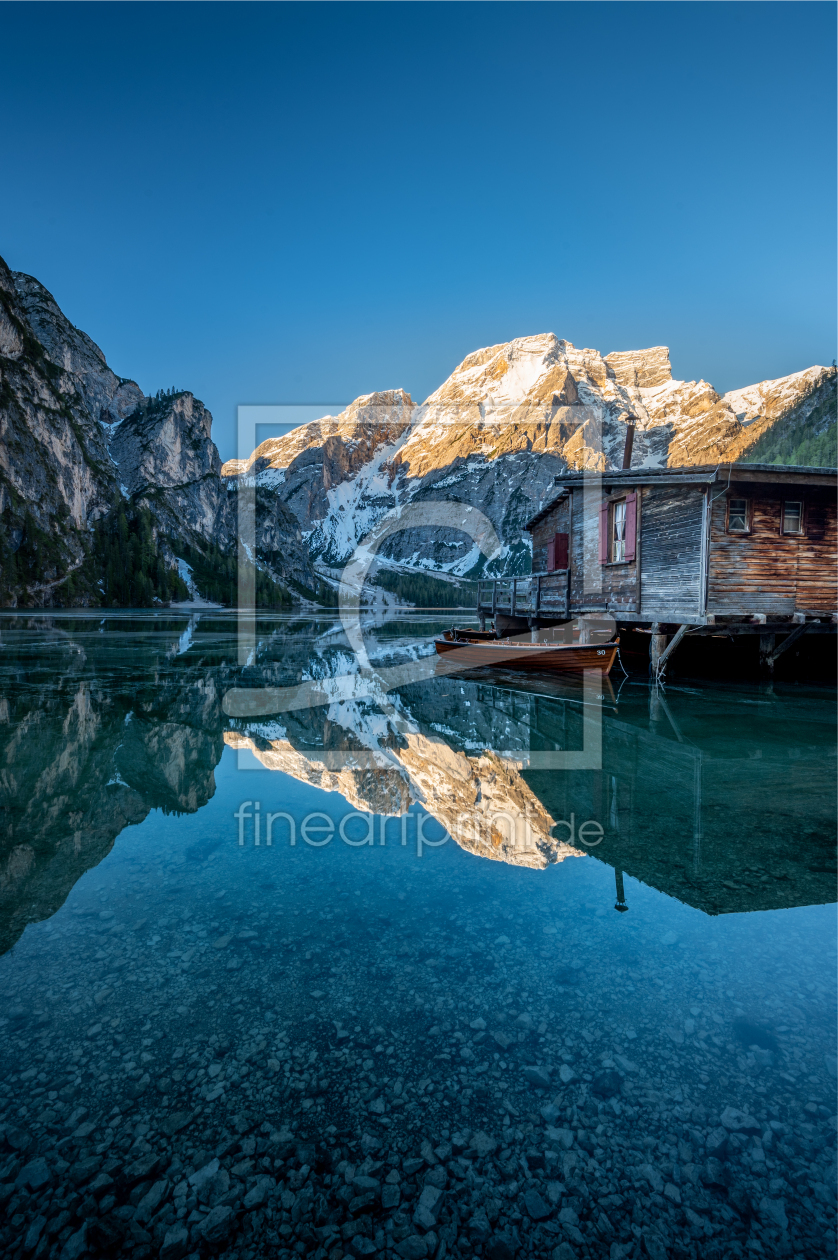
(557, 552)
(618, 530)
(737, 516)
(618, 533)
(793, 517)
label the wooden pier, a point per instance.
(535, 596)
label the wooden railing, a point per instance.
(546, 593)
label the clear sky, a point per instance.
(273, 203)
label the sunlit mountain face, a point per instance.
(498, 431)
(310, 950)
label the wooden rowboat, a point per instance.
(474, 648)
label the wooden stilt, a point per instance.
(766, 654)
(788, 642)
(621, 896)
(655, 711)
(657, 645)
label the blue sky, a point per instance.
(273, 203)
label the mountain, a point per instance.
(109, 497)
(102, 490)
(497, 432)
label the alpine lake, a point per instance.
(315, 945)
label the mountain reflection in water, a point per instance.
(717, 796)
(302, 1021)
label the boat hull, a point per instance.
(536, 657)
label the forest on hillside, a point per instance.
(810, 441)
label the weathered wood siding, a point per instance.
(766, 571)
(670, 549)
(592, 584)
(586, 585)
(557, 521)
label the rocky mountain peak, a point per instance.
(371, 421)
(108, 397)
(528, 369)
(508, 419)
(644, 369)
(370, 406)
(165, 441)
(11, 333)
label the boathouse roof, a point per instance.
(698, 474)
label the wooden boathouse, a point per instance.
(728, 548)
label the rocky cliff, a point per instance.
(94, 476)
(495, 435)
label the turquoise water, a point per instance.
(546, 970)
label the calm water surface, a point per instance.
(319, 952)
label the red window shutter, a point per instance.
(561, 551)
(631, 526)
(603, 533)
(551, 555)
